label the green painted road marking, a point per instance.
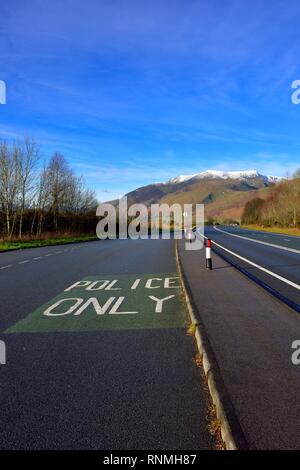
(111, 303)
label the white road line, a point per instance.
(293, 250)
(277, 276)
(37, 257)
(58, 252)
(5, 267)
(49, 254)
(274, 234)
(23, 262)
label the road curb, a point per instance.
(231, 430)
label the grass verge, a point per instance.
(60, 240)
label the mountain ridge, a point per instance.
(244, 174)
(224, 194)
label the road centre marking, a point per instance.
(293, 250)
(261, 268)
(143, 301)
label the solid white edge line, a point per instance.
(277, 276)
(293, 250)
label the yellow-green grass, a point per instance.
(231, 204)
(34, 243)
(281, 230)
(226, 203)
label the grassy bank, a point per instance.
(44, 241)
(280, 230)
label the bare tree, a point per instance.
(27, 160)
(42, 200)
(28, 194)
(88, 200)
(9, 182)
(59, 179)
(67, 191)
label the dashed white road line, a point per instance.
(39, 257)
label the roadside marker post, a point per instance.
(2, 353)
(208, 254)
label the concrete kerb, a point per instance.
(231, 430)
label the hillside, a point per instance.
(280, 208)
(222, 199)
(224, 194)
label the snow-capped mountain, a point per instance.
(207, 187)
(275, 179)
(181, 178)
(216, 174)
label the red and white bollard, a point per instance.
(208, 254)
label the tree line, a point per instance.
(281, 207)
(37, 197)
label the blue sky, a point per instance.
(134, 92)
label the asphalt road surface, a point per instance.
(104, 363)
(251, 334)
(279, 254)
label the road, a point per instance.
(279, 254)
(110, 376)
(251, 333)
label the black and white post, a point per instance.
(2, 352)
(208, 254)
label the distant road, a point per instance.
(286, 242)
(278, 254)
(120, 380)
